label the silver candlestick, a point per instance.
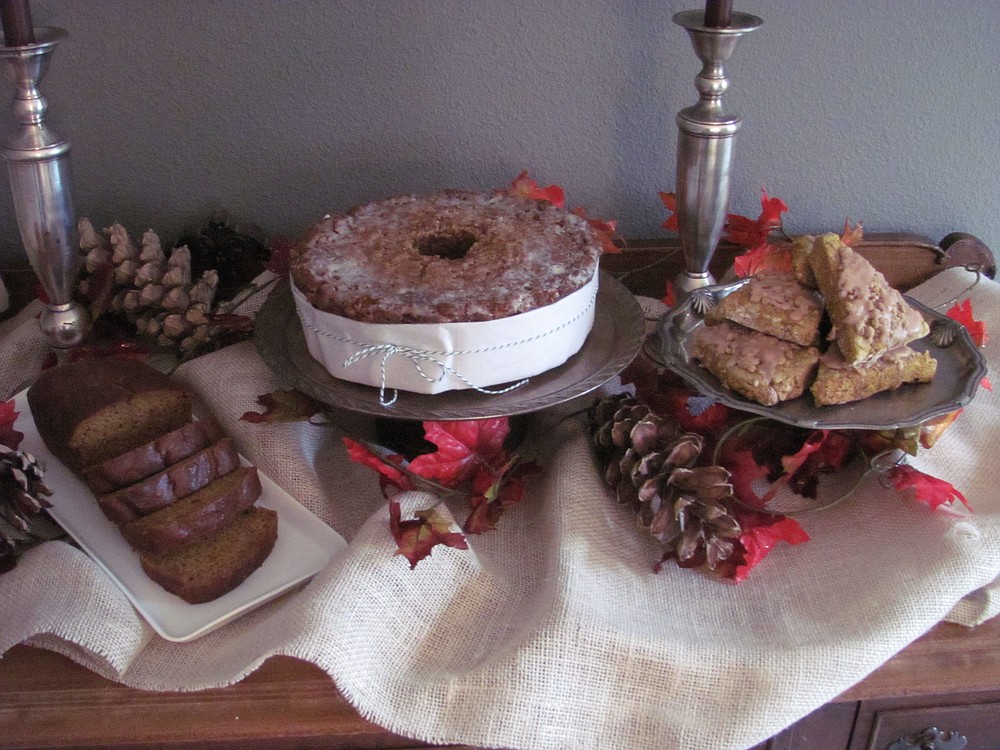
(38, 165)
(705, 147)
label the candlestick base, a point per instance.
(64, 325)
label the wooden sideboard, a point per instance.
(948, 680)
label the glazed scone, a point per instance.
(801, 249)
(775, 304)
(838, 383)
(869, 317)
(755, 365)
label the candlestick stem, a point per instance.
(38, 166)
(706, 135)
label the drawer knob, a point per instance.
(931, 739)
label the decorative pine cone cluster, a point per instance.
(23, 521)
(183, 300)
(155, 292)
(651, 464)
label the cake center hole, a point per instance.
(451, 246)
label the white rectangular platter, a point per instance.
(305, 546)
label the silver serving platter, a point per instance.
(614, 341)
(961, 366)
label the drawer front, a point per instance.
(970, 727)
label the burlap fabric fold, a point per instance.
(554, 631)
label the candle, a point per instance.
(718, 13)
(16, 18)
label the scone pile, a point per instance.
(174, 486)
(766, 340)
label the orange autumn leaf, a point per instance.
(603, 228)
(933, 429)
(751, 233)
(525, 187)
(670, 203)
(852, 236)
(669, 295)
(764, 257)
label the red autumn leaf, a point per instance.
(493, 492)
(284, 406)
(385, 465)
(8, 435)
(929, 490)
(603, 228)
(461, 446)
(985, 383)
(417, 537)
(744, 472)
(823, 452)
(771, 209)
(962, 313)
(280, 259)
(763, 257)
(750, 233)
(669, 295)
(693, 412)
(852, 236)
(525, 187)
(761, 533)
(232, 323)
(670, 203)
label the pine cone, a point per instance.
(650, 463)
(23, 521)
(153, 292)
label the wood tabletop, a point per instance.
(47, 700)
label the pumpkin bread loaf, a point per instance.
(174, 485)
(93, 409)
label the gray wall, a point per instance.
(881, 110)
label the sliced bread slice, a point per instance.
(170, 485)
(198, 516)
(208, 569)
(152, 457)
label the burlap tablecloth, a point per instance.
(552, 632)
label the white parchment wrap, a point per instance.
(438, 357)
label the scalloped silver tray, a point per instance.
(961, 366)
(614, 341)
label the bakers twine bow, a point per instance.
(419, 356)
(416, 356)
